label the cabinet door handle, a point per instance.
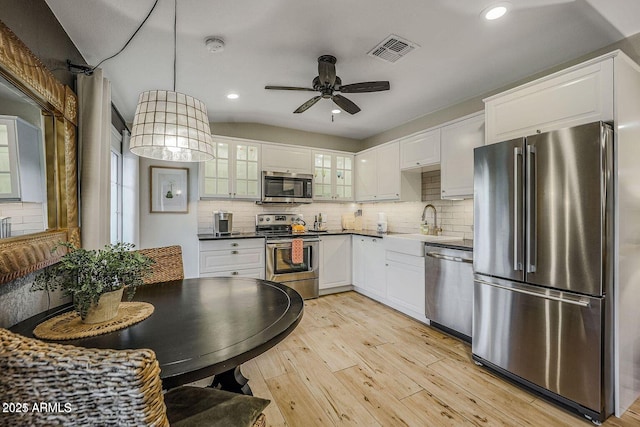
(234, 273)
(234, 244)
(234, 252)
(418, 163)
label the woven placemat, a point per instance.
(69, 326)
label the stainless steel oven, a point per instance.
(304, 276)
(278, 187)
(280, 267)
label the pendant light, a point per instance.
(169, 125)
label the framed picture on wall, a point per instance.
(169, 189)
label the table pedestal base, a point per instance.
(233, 381)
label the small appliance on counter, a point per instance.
(222, 223)
(382, 222)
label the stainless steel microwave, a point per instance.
(279, 187)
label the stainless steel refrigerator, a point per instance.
(543, 252)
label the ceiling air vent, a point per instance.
(392, 48)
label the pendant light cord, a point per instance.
(90, 71)
(175, 40)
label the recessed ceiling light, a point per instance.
(496, 10)
(336, 111)
(233, 96)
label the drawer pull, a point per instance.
(234, 273)
(234, 244)
(234, 252)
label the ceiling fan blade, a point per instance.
(289, 88)
(327, 70)
(346, 104)
(304, 107)
(365, 87)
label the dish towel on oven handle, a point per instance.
(297, 251)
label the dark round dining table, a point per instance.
(201, 327)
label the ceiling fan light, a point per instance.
(171, 126)
(495, 11)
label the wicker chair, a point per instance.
(47, 384)
(168, 264)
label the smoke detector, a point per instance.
(214, 44)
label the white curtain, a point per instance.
(94, 95)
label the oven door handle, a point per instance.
(287, 242)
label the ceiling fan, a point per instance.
(326, 82)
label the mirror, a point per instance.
(23, 202)
(28, 79)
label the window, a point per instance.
(116, 186)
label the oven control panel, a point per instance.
(269, 220)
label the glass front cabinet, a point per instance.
(234, 172)
(332, 176)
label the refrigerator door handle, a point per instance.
(531, 209)
(579, 302)
(517, 198)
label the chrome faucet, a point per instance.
(434, 229)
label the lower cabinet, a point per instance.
(405, 283)
(335, 262)
(232, 257)
(369, 275)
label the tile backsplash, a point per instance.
(454, 216)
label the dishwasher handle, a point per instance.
(449, 258)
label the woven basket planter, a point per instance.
(106, 308)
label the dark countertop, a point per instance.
(454, 244)
(210, 236)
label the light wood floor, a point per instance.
(352, 361)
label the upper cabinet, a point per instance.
(286, 158)
(234, 172)
(333, 176)
(577, 95)
(21, 161)
(420, 150)
(378, 176)
(457, 141)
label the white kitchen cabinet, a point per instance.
(335, 262)
(333, 176)
(420, 150)
(369, 276)
(234, 172)
(286, 158)
(578, 95)
(366, 179)
(388, 172)
(21, 161)
(405, 283)
(457, 141)
(232, 257)
(378, 176)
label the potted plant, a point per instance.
(96, 279)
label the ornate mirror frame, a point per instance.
(22, 255)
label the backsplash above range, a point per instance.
(454, 216)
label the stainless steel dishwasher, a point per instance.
(449, 289)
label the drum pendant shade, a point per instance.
(171, 126)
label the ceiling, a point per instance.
(277, 42)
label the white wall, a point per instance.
(165, 229)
